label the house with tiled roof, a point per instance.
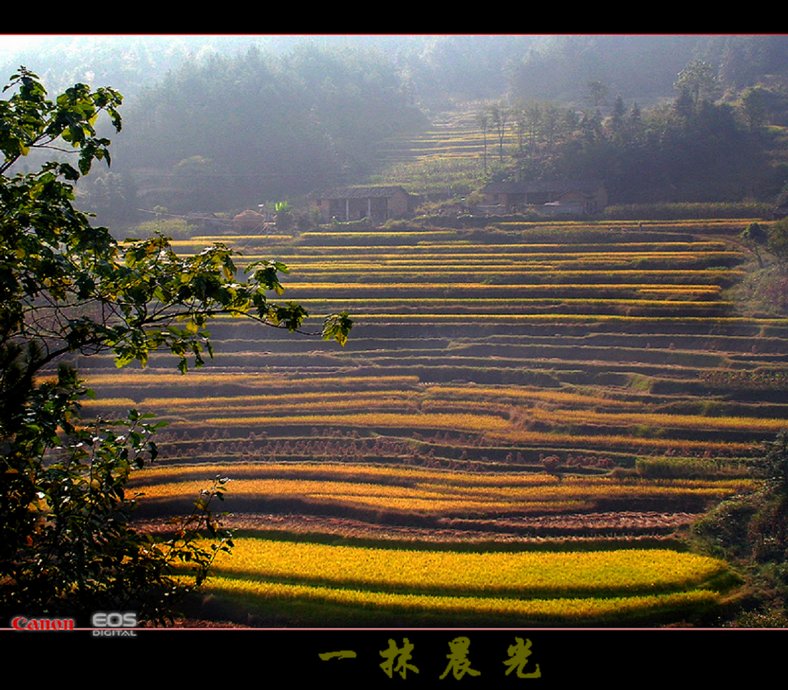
(553, 197)
(376, 203)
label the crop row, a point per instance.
(335, 471)
(261, 597)
(406, 490)
(476, 249)
(466, 394)
(523, 574)
(485, 259)
(476, 422)
(246, 379)
(447, 482)
(592, 277)
(429, 317)
(498, 302)
(659, 420)
(455, 249)
(489, 290)
(465, 398)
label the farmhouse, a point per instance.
(248, 221)
(376, 203)
(556, 197)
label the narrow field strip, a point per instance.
(664, 421)
(473, 422)
(523, 574)
(438, 498)
(436, 394)
(689, 275)
(356, 472)
(532, 493)
(247, 378)
(465, 250)
(280, 399)
(352, 402)
(504, 277)
(487, 258)
(623, 442)
(473, 392)
(460, 245)
(555, 289)
(261, 596)
(493, 302)
(368, 474)
(506, 318)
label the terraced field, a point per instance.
(451, 152)
(522, 419)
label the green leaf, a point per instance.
(337, 327)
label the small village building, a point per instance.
(248, 220)
(554, 198)
(374, 203)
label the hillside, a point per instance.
(221, 124)
(675, 153)
(446, 158)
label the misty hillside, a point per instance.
(541, 67)
(221, 123)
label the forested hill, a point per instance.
(643, 68)
(256, 127)
(216, 123)
(432, 68)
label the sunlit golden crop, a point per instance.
(528, 573)
(656, 419)
(409, 489)
(563, 610)
(471, 422)
(498, 392)
(250, 378)
(621, 441)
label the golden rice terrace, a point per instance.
(523, 418)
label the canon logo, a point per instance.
(38, 624)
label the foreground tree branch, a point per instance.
(67, 544)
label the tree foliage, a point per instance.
(777, 240)
(699, 80)
(751, 530)
(689, 150)
(642, 67)
(754, 237)
(67, 288)
(271, 127)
